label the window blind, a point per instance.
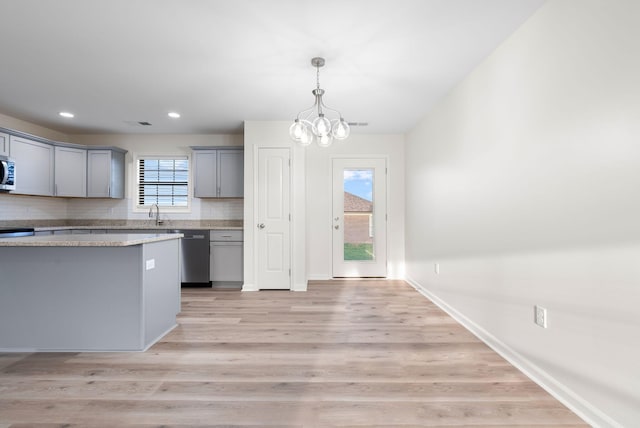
(163, 181)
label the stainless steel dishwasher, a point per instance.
(195, 256)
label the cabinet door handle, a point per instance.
(261, 226)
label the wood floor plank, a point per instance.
(368, 353)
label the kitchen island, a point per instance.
(115, 292)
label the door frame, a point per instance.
(386, 201)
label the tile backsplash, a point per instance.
(18, 207)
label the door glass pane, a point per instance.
(358, 215)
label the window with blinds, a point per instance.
(163, 181)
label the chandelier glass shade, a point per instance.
(312, 125)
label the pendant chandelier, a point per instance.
(312, 124)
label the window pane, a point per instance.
(182, 164)
(180, 201)
(164, 181)
(182, 176)
(359, 243)
(165, 176)
(180, 190)
(165, 200)
(166, 164)
(150, 163)
(150, 175)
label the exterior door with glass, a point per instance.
(359, 218)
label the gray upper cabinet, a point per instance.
(34, 166)
(231, 173)
(70, 172)
(218, 173)
(4, 144)
(51, 168)
(205, 164)
(105, 174)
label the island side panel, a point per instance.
(161, 288)
(70, 298)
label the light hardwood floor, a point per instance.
(344, 354)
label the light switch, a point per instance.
(151, 264)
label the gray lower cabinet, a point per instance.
(34, 166)
(226, 256)
(102, 298)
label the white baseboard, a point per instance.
(249, 287)
(318, 277)
(299, 287)
(591, 414)
(294, 287)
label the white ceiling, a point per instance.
(218, 63)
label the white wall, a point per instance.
(259, 134)
(524, 185)
(311, 193)
(30, 128)
(319, 213)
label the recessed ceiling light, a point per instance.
(66, 114)
(174, 115)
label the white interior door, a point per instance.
(273, 255)
(359, 218)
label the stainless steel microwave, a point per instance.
(7, 174)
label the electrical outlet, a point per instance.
(540, 316)
(436, 268)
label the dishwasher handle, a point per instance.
(194, 237)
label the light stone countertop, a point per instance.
(43, 225)
(137, 227)
(94, 240)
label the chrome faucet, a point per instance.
(158, 221)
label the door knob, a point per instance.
(261, 226)
(336, 227)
